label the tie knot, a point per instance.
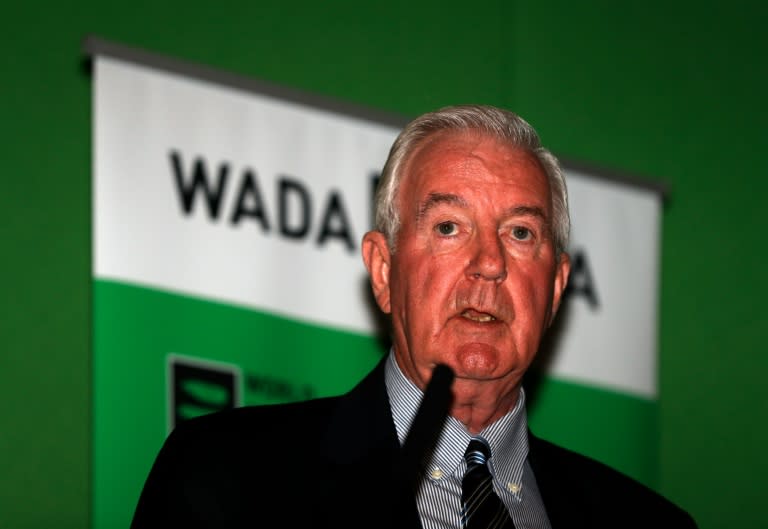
(477, 453)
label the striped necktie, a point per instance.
(481, 508)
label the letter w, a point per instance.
(212, 193)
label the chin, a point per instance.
(477, 361)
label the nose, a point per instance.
(489, 259)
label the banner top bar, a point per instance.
(94, 45)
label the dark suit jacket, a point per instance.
(342, 470)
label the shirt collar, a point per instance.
(507, 437)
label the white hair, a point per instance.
(503, 125)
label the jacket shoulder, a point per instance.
(605, 495)
(210, 467)
(256, 421)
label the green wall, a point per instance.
(670, 91)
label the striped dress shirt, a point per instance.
(438, 497)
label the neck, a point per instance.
(476, 408)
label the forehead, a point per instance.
(475, 164)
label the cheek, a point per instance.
(533, 297)
(438, 277)
(422, 286)
(426, 286)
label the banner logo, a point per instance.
(198, 387)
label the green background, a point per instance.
(670, 91)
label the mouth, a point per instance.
(477, 316)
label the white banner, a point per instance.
(235, 196)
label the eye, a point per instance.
(521, 233)
(446, 228)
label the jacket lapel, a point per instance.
(560, 493)
(363, 452)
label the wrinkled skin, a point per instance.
(474, 281)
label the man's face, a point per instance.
(473, 282)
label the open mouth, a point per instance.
(477, 316)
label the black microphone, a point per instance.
(428, 421)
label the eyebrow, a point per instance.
(435, 199)
(527, 211)
(535, 212)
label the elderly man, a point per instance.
(469, 259)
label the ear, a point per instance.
(562, 273)
(376, 257)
